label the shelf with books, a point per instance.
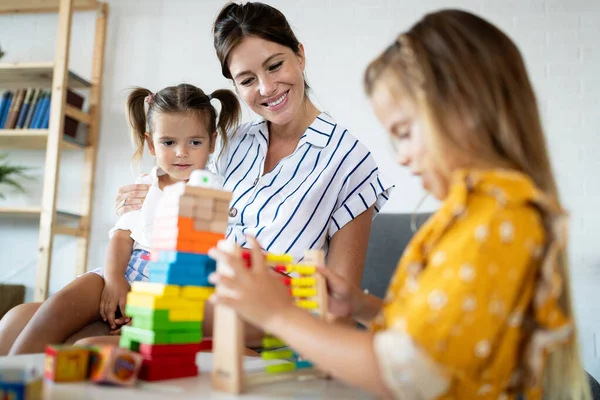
(29, 109)
(32, 139)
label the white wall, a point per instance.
(155, 43)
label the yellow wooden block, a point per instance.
(156, 289)
(197, 292)
(301, 269)
(303, 282)
(158, 302)
(308, 304)
(304, 292)
(187, 314)
(279, 258)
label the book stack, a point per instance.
(30, 109)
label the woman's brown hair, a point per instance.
(237, 21)
(183, 98)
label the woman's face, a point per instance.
(269, 78)
(398, 113)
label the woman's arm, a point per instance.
(346, 258)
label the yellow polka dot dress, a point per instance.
(470, 280)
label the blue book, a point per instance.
(43, 124)
(39, 111)
(4, 113)
(3, 103)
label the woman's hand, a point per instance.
(130, 198)
(345, 300)
(256, 294)
(114, 295)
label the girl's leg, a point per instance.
(62, 315)
(112, 340)
(98, 328)
(13, 323)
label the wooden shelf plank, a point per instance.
(31, 139)
(35, 211)
(42, 6)
(66, 223)
(37, 75)
(77, 114)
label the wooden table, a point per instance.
(189, 388)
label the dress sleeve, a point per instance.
(465, 310)
(407, 371)
(364, 187)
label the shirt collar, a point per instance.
(318, 133)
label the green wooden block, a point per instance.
(133, 311)
(277, 354)
(160, 322)
(159, 337)
(279, 368)
(185, 337)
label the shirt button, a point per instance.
(255, 181)
(232, 212)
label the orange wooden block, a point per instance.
(182, 224)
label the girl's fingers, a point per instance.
(235, 262)
(258, 258)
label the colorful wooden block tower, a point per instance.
(167, 312)
(309, 290)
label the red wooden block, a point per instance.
(154, 373)
(206, 344)
(157, 350)
(174, 361)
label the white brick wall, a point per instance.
(155, 43)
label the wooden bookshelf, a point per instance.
(57, 77)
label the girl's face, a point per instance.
(268, 77)
(180, 143)
(398, 113)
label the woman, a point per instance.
(299, 179)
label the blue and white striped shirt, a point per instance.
(329, 180)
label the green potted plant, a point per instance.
(9, 175)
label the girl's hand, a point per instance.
(256, 294)
(130, 198)
(114, 295)
(345, 300)
(116, 332)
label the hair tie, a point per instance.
(150, 98)
(209, 97)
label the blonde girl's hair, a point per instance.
(470, 84)
(143, 106)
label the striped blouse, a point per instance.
(329, 180)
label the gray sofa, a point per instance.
(390, 233)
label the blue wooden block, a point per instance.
(183, 268)
(303, 364)
(187, 258)
(170, 277)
